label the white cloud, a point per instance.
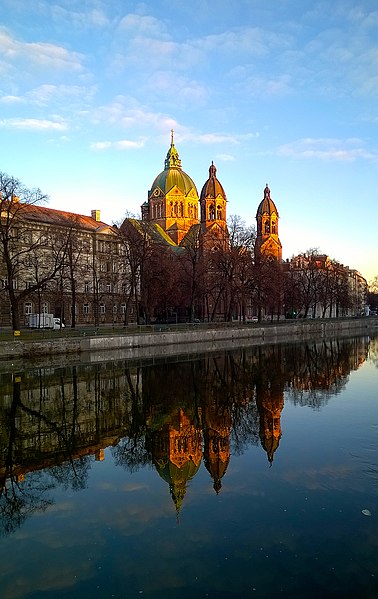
(327, 149)
(43, 94)
(250, 41)
(12, 99)
(39, 53)
(123, 144)
(226, 157)
(187, 91)
(125, 112)
(264, 86)
(219, 138)
(142, 26)
(34, 124)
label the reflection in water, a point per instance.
(171, 415)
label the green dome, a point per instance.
(170, 177)
(177, 478)
(173, 175)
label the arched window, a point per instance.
(274, 226)
(171, 208)
(219, 213)
(211, 212)
(267, 227)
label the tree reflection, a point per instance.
(18, 498)
(171, 415)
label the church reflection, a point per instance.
(174, 415)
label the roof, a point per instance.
(266, 206)
(154, 231)
(50, 216)
(212, 188)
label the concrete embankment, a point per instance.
(200, 338)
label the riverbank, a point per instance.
(168, 341)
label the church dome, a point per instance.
(173, 175)
(212, 188)
(266, 206)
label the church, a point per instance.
(174, 209)
(174, 204)
(192, 229)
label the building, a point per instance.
(70, 265)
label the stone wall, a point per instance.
(170, 342)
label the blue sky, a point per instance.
(283, 92)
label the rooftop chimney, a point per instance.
(95, 214)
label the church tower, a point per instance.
(267, 241)
(213, 203)
(173, 198)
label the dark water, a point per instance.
(244, 474)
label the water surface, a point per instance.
(244, 474)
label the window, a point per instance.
(44, 308)
(28, 237)
(86, 287)
(102, 308)
(123, 308)
(28, 308)
(108, 287)
(86, 309)
(114, 309)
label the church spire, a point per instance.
(172, 160)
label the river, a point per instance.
(251, 473)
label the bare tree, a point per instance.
(19, 240)
(231, 262)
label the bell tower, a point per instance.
(267, 241)
(213, 202)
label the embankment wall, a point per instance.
(197, 339)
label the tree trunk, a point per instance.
(15, 309)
